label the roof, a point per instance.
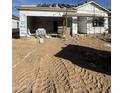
(15, 17)
(58, 7)
(94, 3)
(48, 7)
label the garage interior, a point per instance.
(50, 24)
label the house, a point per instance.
(87, 18)
(15, 25)
(15, 22)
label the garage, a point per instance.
(50, 24)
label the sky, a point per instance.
(15, 3)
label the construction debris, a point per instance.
(107, 45)
(41, 40)
(40, 32)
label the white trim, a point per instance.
(43, 13)
(93, 3)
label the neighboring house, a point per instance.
(88, 18)
(109, 23)
(15, 24)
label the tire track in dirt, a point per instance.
(82, 80)
(25, 74)
(41, 72)
(75, 81)
(44, 82)
(29, 72)
(52, 78)
(28, 54)
(60, 76)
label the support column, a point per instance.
(23, 26)
(63, 32)
(74, 26)
(106, 24)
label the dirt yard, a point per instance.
(75, 65)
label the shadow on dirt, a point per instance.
(89, 58)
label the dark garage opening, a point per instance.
(50, 24)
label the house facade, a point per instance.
(88, 18)
(15, 26)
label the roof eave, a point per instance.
(44, 9)
(15, 17)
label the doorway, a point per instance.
(55, 26)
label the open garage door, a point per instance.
(49, 23)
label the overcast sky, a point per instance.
(105, 3)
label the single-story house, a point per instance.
(15, 22)
(15, 25)
(87, 18)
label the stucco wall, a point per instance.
(23, 25)
(92, 9)
(91, 29)
(82, 25)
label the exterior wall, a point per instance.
(82, 25)
(23, 25)
(92, 9)
(92, 30)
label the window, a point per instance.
(98, 22)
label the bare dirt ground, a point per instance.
(75, 65)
